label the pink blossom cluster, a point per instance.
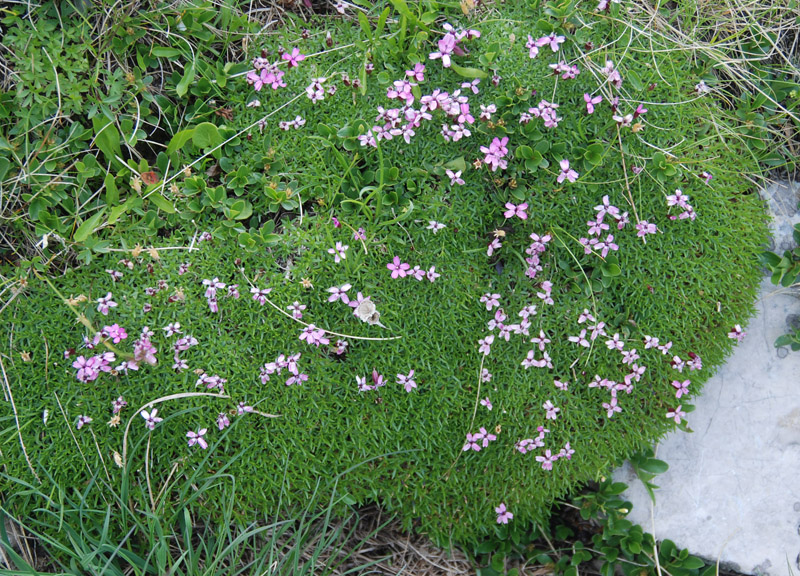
(214, 382)
(290, 363)
(544, 110)
(297, 123)
(402, 269)
(681, 200)
(377, 382)
(598, 226)
(314, 336)
(537, 247)
(181, 344)
(90, 368)
(567, 71)
(478, 440)
(496, 153)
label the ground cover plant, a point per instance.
(473, 257)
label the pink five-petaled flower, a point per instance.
(676, 414)
(503, 515)
(552, 411)
(104, 303)
(591, 102)
(486, 402)
(447, 46)
(737, 333)
(533, 49)
(81, 421)
(294, 58)
(435, 226)
(339, 252)
(491, 300)
(495, 244)
(399, 269)
(547, 460)
(681, 388)
(432, 274)
(223, 421)
(197, 438)
(407, 381)
(296, 309)
(150, 418)
(417, 73)
(314, 336)
(172, 328)
(486, 344)
(644, 228)
(339, 293)
(260, 294)
(567, 173)
(552, 40)
(455, 177)
(516, 210)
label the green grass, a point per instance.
(689, 284)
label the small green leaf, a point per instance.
(653, 466)
(188, 76)
(179, 139)
(468, 72)
(165, 52)
(112, 193)
(85, 230)
(162, 203)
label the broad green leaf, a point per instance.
(206, 135)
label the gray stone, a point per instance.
(733, 488)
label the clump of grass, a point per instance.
(292, 198)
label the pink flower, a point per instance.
(417, 73)
(486, 402)
(455, 177)
(260, 294)
(737, 333)
(339, 252)
(473, 443)
(434, 225)
(491, 300)
(399, 270)
(495, 244)
(503, 515)
(485, 344)
(81, 421)
(644, 228)
(339, 293)
(518, 211)
(591, 102)
(314, 336)
(552, 411)
(407, 381)
(676, 414)
(431, 274)
(547, 460)
(104, 303)
(197, 438)
(223, 421)
(360, 234)
(552, 40)
(115, 332)
(567, 173)
(150, 418)
(533, 49)
(681, 388)
(296, 309)
(294, 58)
